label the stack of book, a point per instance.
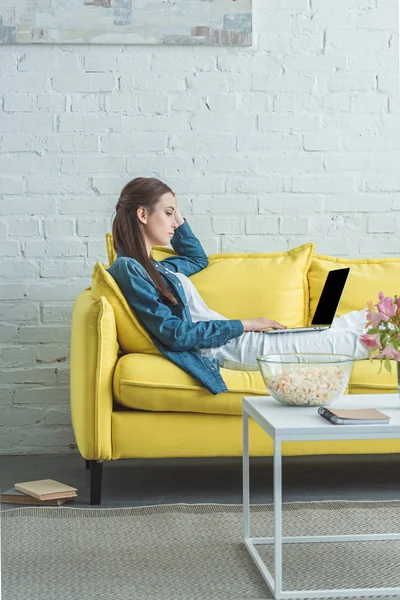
(43, 492)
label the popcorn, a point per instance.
(308, 386)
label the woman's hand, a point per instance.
(260, 323)
(178, 218)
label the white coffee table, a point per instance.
(293, 423)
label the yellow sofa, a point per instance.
(129, 401)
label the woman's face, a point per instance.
(160, 225)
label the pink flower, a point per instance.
(371, 340)
(389, 352)
(375, 318)
(380, 344)
(386, 306)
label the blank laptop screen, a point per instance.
(330, 297)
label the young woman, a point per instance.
(169, 307)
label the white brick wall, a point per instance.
(292, 140)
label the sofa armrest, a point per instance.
(94, 354)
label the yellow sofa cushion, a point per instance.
(367, 277)
(366, 380)
(238, 286)
(111, 254)
(132, 337)
(249, 285)
(154, 383)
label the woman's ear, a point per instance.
(142, 214)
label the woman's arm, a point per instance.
(159, 320)
(191, 256)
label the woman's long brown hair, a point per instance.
(126, 230)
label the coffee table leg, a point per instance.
(246, 477)
(278, 516)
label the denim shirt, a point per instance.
(170, 326)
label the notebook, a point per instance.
(350, 416)
(46, 489)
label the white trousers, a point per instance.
(342, 338)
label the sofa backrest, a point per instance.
(284, 286)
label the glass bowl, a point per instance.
(306, 379)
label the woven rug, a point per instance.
(189, 551)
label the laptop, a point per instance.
(327, 304)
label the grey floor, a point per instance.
(148, 482)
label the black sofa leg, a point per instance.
(96, 474)
(87, 465)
